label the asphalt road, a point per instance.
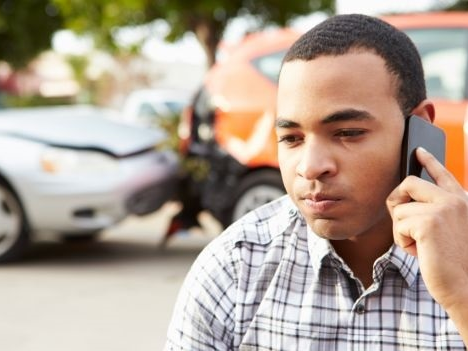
(115, 294)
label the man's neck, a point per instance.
(362, 251)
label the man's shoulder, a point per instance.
(218, 278)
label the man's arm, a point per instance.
(431, 222)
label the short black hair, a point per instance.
(341, 34)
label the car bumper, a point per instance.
(83, 204)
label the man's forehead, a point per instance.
(352, 71)
(356, 51)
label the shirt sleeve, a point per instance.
(203, 314)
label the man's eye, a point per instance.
(348, 133)
(289, 139)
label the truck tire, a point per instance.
(14, 233)
(256, 189)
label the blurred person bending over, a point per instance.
(350, 259)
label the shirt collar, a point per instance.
(283, 214)
(407, 265)
(266, 223)
(318, 249)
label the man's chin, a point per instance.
(329, 229)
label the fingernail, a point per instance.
(422, 149)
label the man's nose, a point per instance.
(316, 161)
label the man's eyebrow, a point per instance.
(338, 116)
(286, 123)
(347, 115)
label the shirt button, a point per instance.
(292, 212)
(360, 309)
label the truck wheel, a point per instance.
(255, 189)
(14, 236)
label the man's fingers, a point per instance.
(397, 196)
(410, 209)
(409, 221)
(412, 188)
(442, 177)
(403, 236)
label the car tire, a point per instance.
(14, 229)
(256, 189)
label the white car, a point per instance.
(72, 171)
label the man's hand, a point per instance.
(430, 221)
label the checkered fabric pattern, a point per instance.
(269, 283)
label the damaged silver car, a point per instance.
(73, 171)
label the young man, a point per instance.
(351, 258)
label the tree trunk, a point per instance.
(208, 33)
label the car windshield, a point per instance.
(444, 57)
(269, 65)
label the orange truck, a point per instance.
(229, 125)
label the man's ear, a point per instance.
(425, 110)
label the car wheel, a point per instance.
(14, 236)
(255, 190)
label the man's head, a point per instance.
(343, 92)
(341, 34)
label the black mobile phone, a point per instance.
(419, 132)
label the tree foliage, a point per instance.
(206, 18)
(460, 5)
(26, 28)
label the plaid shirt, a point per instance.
(269, 283)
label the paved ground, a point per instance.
(116, 294)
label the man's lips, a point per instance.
(317, 197)
(320, 203)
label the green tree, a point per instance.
(206, 18)
(460, 5)
(26, 28)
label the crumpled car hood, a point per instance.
(79, 127)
